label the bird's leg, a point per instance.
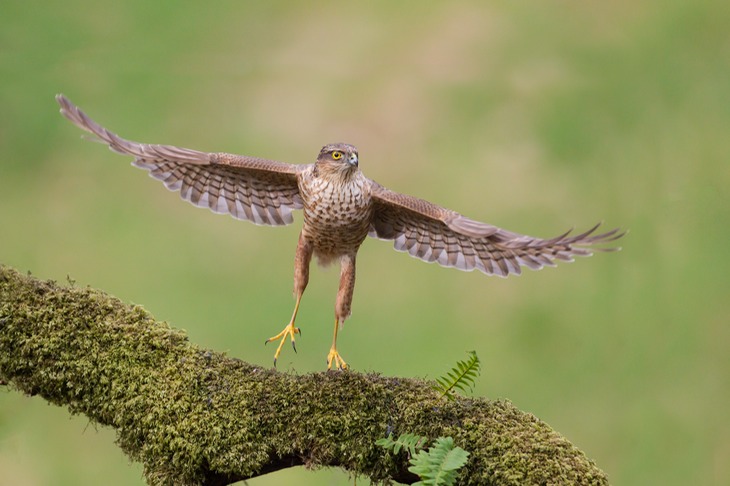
(290, 330)
(342, 307)
(333, 357)
(301, 278)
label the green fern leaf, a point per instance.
(410, 442)
(440, 465)
(462, 377)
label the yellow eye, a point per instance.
(337, 155)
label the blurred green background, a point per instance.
(535, 116)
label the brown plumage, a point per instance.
(341, 208)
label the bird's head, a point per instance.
(338, 158)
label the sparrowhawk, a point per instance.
(341, 208)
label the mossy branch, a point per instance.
(197, 417)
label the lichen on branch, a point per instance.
(193, 416)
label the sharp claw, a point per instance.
(289, 331)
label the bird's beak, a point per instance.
(353, 160)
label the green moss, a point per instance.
(194, 416)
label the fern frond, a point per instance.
(462, 377)
(411, 442)
(440, 465)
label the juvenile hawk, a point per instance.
(341, 208)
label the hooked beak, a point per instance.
(353, 159)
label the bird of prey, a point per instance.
(341, 208)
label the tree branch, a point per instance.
(197, 417)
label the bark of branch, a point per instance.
(197, 417)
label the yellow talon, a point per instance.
(290, 331)
(334, 358)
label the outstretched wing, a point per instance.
(436, 234)
(258, 190)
